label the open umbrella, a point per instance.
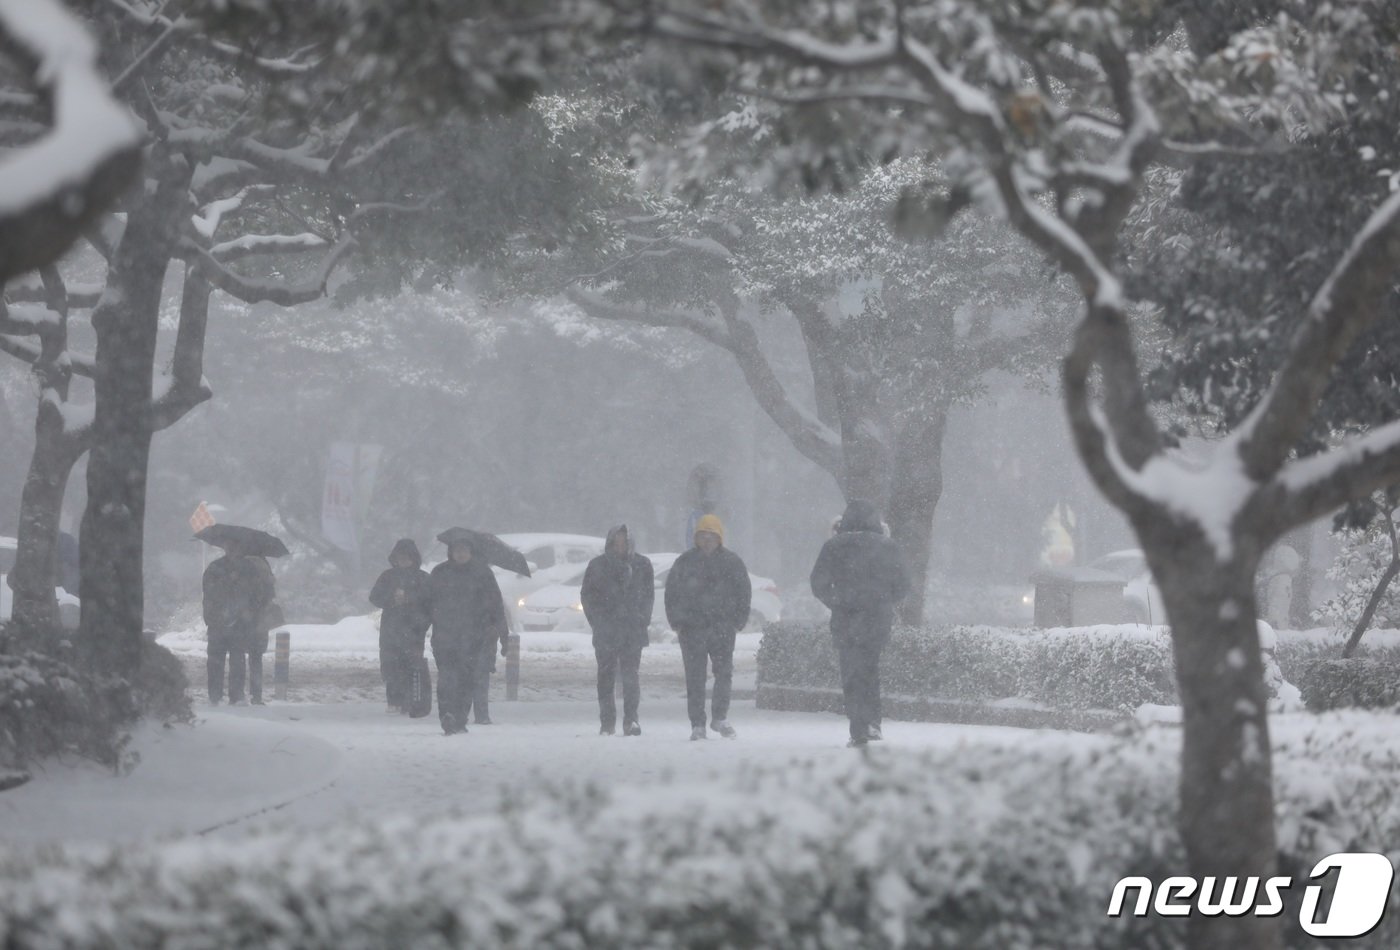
(240, 540)
(489, 547)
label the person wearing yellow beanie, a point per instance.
(708, 596)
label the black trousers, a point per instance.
(617, 656)
(398, 654)
(860, 682)
(227, 650)
(715, 647)
(459, 668)
(481, 688)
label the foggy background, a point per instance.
(534, 418)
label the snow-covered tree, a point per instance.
(1051, 115)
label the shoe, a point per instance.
(632, 728)
(606, 731)
(723, 727)
(258, 701)
(857, 743)
(485, 722)
(873, 733)
(698, 732)
(238, 702)
(393, 709)
(449, 726)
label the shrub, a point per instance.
(1118, 667)
(1010, 849)
(1362, 683)
(48, 707)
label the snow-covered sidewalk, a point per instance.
(313, 764)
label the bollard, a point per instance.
(281, 661)
(513, 666)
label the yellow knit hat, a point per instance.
(712, 524)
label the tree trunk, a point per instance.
(915, 488)
(1300, 603)
(111, 547)
(35, 611)
(1227, 808)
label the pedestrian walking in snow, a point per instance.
(401, 594)
(708, 596)
(617, 596)
(860, 576)
(467, 615)
(269, 618)
(236, 592)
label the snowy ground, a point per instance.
(331, 751)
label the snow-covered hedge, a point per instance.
(1357, 683)
(1005, 849)
(1311, 659)
(50, 707)
(1110, 667)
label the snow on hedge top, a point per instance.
(90, 126)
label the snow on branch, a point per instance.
(284, 67)
(1349, 301)
(53, 186)
(249, 245)
(255, 290)
(1322, 483)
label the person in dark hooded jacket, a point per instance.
(617, 596)
(860, 576)
(708, 595)
(402, 594)
(468, 614)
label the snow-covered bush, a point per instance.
(48, 707)
(1358, 683)
(1116, 667)
(1007, 849)
(1311, 660)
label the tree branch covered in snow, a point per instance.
(51, 187)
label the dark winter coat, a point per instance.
(617, 595)
(465, 606)
(860, 576)
(708, 591)
(236, 592)
(403, 624)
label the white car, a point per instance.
(1142, 599)
(558, 607)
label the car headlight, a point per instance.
(1028, 599)
(578, 606)
(520, 602)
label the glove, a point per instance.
(505, 649)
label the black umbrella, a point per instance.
(488, 547)
(237, 539)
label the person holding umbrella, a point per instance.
(237, 592)
(467, 612)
